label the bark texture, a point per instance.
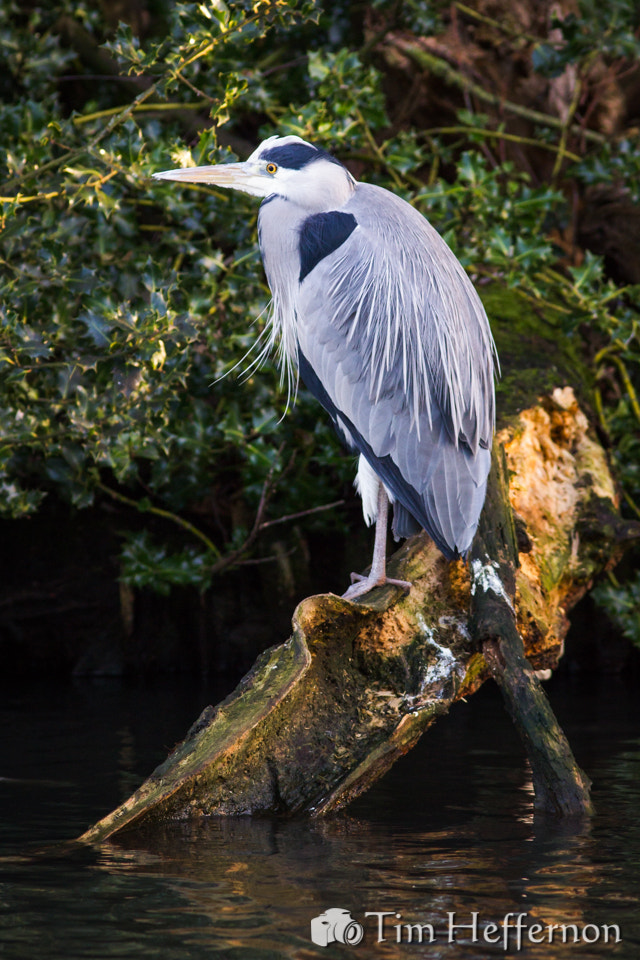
(321, 717)
(560, 787)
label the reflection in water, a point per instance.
(450, 831)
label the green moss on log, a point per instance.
(535, 355)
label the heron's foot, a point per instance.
(361, 585)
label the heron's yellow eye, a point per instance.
(272, 168)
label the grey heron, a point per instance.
(379, 319)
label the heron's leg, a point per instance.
(378, 573)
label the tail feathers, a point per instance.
(404, 524)
(449, 506)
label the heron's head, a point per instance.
(286, 167)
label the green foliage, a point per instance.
(128, 307)
(154, 566)
(613, 162)
(613, 24)
(423, 17)
(492, 216)
(622, 605)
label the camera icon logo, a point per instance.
(336, 926)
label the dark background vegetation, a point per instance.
(158, 514)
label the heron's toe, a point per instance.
(363, 585)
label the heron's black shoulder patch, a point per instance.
(295, 156)
(320, 235)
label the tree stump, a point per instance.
(321, 717)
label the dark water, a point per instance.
(448, 834)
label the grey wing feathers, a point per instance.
(398, 340)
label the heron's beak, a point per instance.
(238, 176)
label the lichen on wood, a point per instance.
(321, 717)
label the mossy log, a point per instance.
(322, 716)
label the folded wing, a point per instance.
(395, 344)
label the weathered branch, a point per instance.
(320, 718)
(421, 51)
(560, 787)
